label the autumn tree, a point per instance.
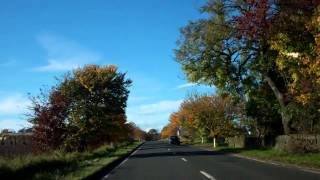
(297, 44)
(48, 119)
(236, 47)
(172, 127)
(98, 97)
(135, 132)
(85, 110)
(211, 116)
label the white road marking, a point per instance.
(168, 149)
(183, 159)
(278, 164)
(207, 175)
(123, 162)
(106, 176)
(135, 152)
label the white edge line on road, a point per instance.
(106, 176)
(305, 169)
(135, 152)
(183, 159)
(207, 175)
(278, 164)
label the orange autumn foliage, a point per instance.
(172, 127)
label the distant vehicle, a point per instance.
(174, 140)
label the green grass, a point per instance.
(310, 160)
(59, 165)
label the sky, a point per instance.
(41, 40)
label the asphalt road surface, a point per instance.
(160, 160)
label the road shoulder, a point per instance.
(108, 168)
(270, 162)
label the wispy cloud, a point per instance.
(13, 104)
(15, 124)
(154, 115)
(13, 108)
(185, 85)
(161, 106)
(63, 54)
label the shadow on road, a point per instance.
(173, 153)
(175, 150)
(161, 147)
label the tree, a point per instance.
(48, 119)
(135, 132)
(298, 62)
(85, 110)
(7, 131)
(152, 135)
(98, 97)
(25, 130)
(232, 47)
(172, 127)
(262, 110)
(211, 116)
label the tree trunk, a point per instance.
(279, 95)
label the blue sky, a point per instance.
(43, 39)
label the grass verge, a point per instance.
(309, 160)
(59, 165)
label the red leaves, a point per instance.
(253, 22)
(48, 120)
(85, 110)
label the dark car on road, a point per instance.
(174, 140)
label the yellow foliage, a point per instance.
(91, 74)
(301, 68)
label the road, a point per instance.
(162, 161)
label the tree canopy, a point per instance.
(203, 116)
(241, 44)
(85, 110)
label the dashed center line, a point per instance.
(183, 159)
(207, 175)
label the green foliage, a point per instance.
(98, 97)
(308, 160)
(263, 108)
(240, 45)
(210, 52)
(85, 110)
